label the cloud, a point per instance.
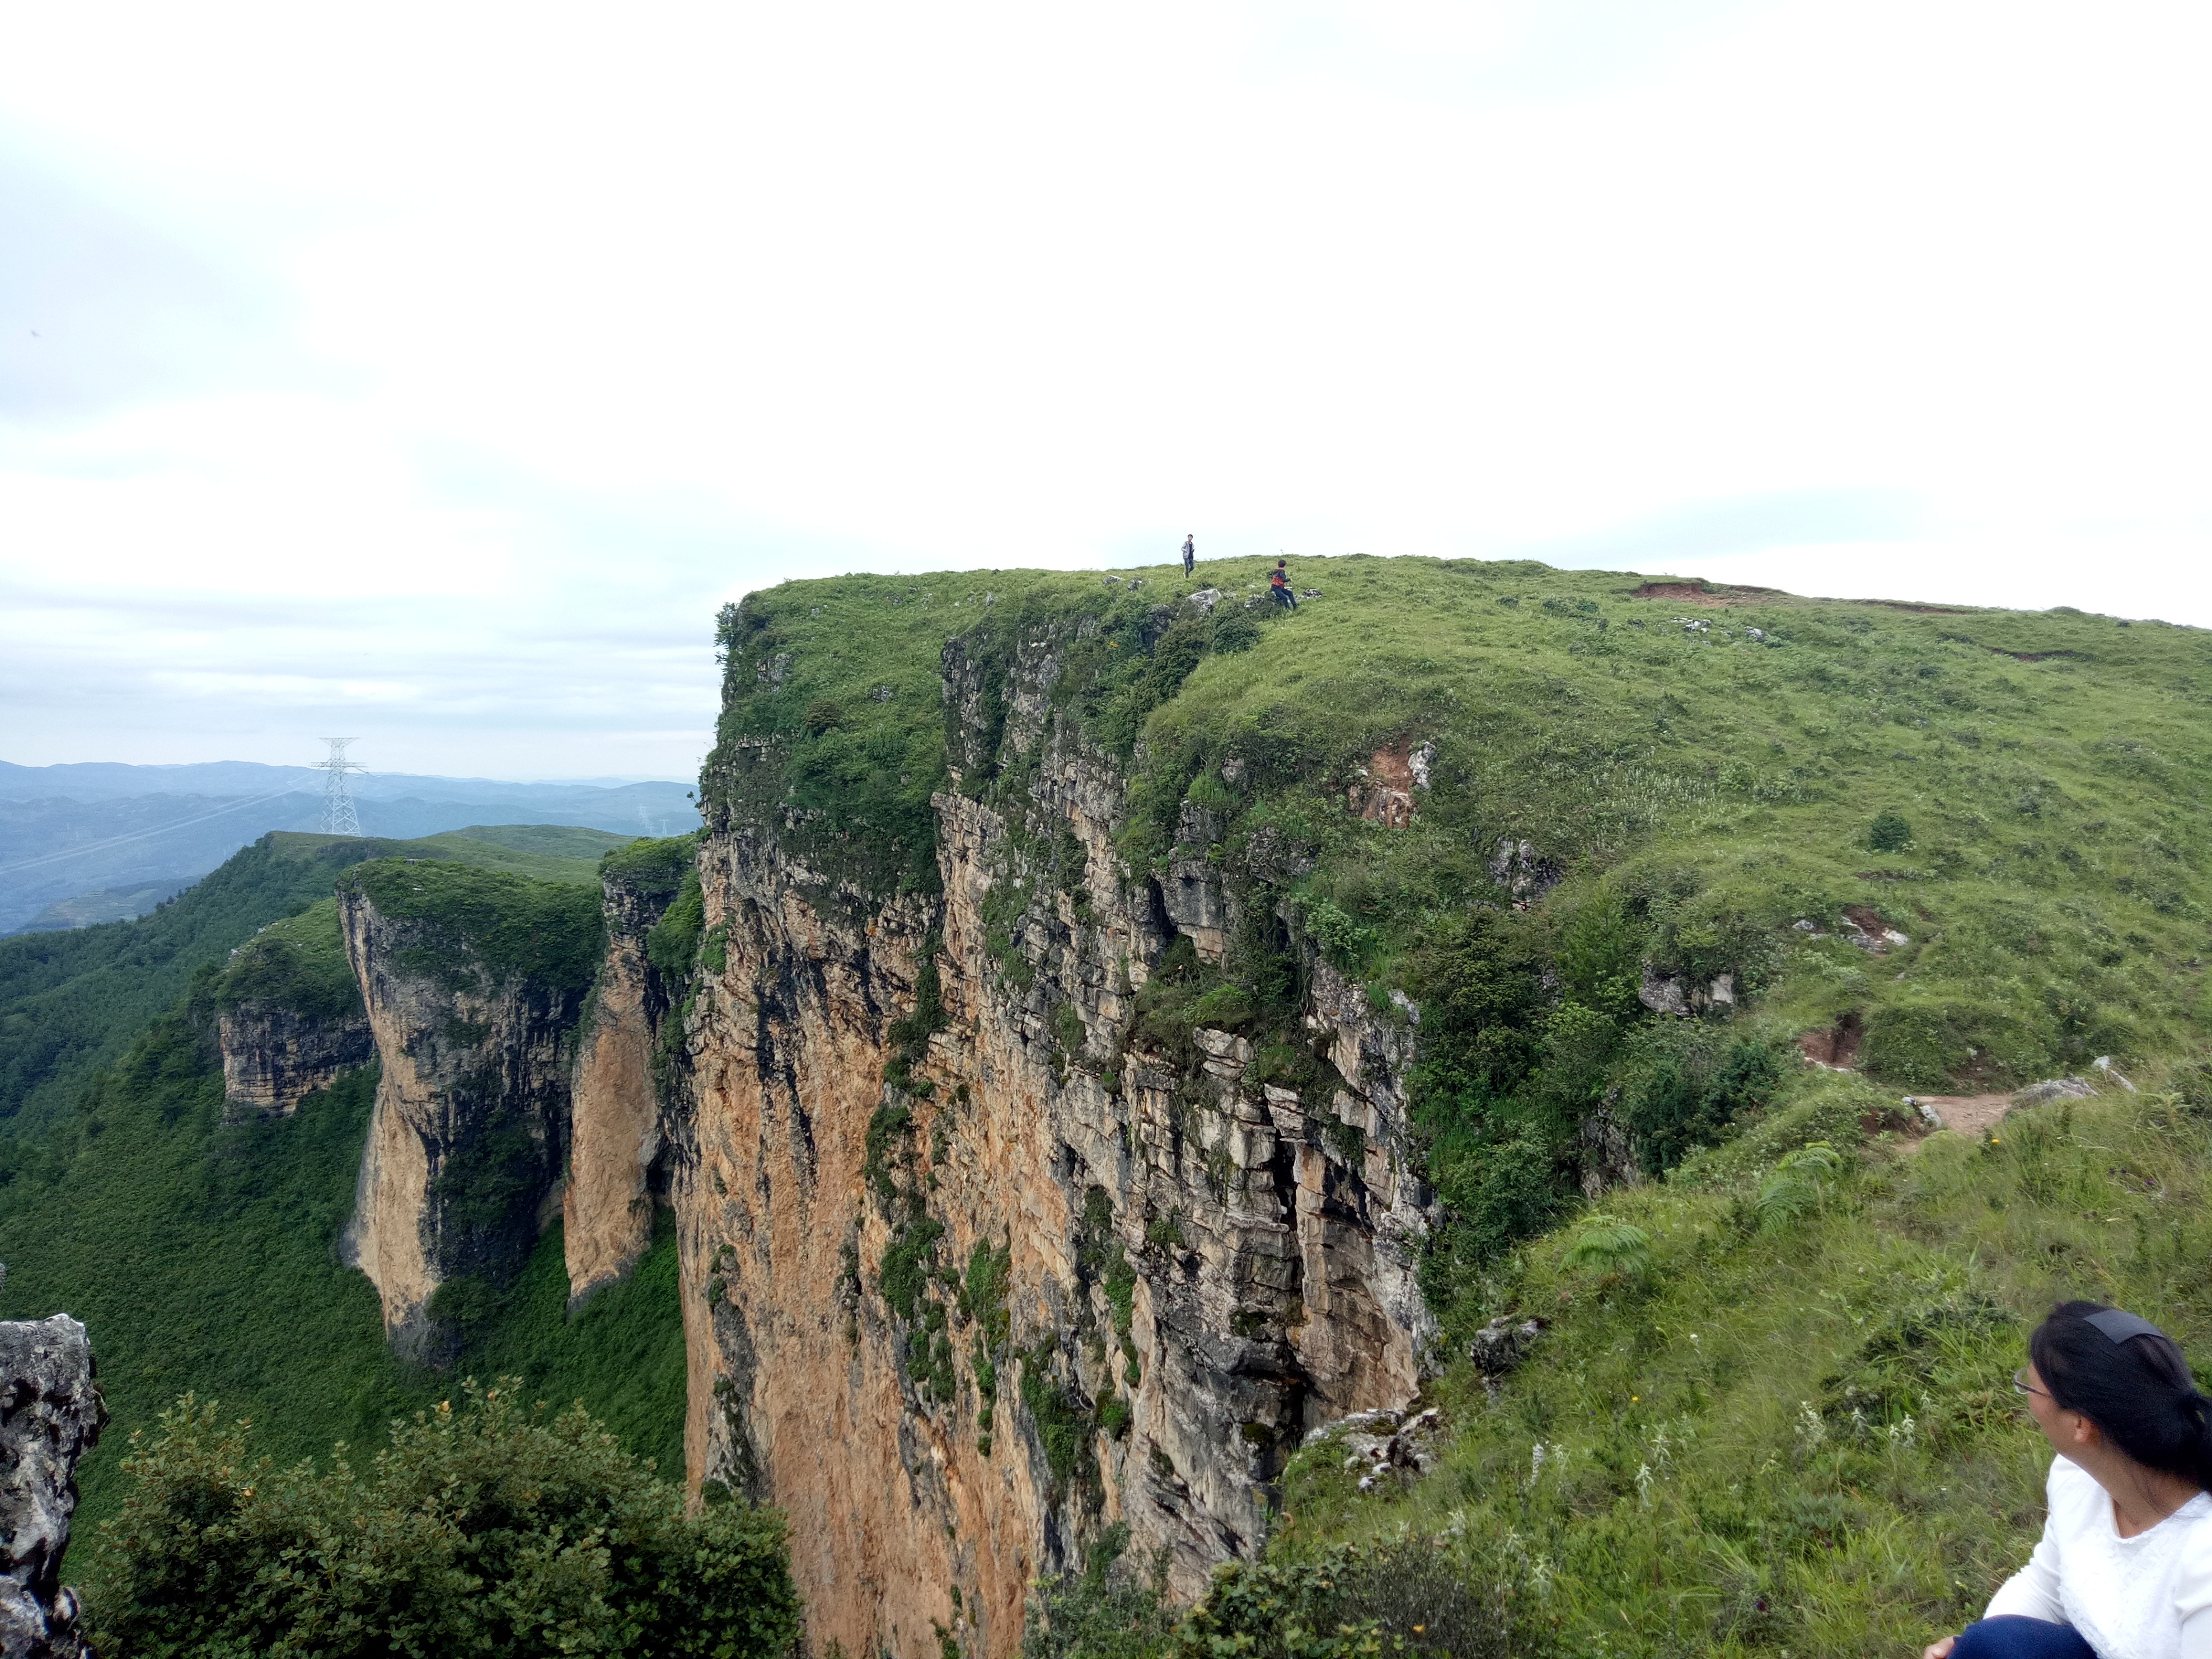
(439, 374)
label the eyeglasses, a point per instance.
(2019, 1384)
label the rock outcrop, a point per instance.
(275, 1057)
(977, 1262)
(51, 1416)
(615, 1133)
(467, 1140)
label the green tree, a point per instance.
(490, 1528)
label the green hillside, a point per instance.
(204, 1256)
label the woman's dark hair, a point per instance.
(2137, 1391)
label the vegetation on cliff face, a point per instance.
(489, 1526)
(298, 964)
(487, 919)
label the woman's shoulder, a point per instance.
(2077, 1503)
(2069, 1484)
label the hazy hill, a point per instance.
(68, 834)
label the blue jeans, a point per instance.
(2010, 1636)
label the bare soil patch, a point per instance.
(1836, 1048)
(1692, 593)
(1967, 1115)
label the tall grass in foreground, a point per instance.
(1799, 1436)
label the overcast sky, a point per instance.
(430, 374)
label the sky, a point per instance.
(429, 374)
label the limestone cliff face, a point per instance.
(615, 1135)
(466, 1140)
(274, 1057)
(975, 1261)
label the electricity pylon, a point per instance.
(338, 815)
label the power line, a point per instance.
(141, 834)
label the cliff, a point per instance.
(622, 1067)
(1004, 1189)
(289, 1016)
(473, 983)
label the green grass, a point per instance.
(1800, 1439)
(561, 841)
(486, 918)
(536, 852)
(2050, 766)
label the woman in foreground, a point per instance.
(2124, 1567)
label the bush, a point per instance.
(1889, 832)
(1494, 1196)
(489, 1528)
(1691, 1091)
(1105, 1611)
(1411, 1596)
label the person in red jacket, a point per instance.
(1278, 584)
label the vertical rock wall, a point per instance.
(273, 1057)
(465, 1143)
(614, 1120)
(961, 1290)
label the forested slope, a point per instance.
(204, 1254)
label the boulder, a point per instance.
(51, 1416)
(1499, 1347)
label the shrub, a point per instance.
(1494, 1196)
(1796, 1185)
(489, 1528)
(1407, 1596)
(1688, 1094)
(1107, 1611)
(672, 946)
(1889, 832)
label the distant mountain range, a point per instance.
(96, 840)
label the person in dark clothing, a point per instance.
(1189, 555)
(1278, 584)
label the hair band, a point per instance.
(2117, 1326)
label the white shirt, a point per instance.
(2145, 1597)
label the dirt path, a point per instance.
(1966, 1115)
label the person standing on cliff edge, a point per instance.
(1189, 555)
(2124, 1568)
